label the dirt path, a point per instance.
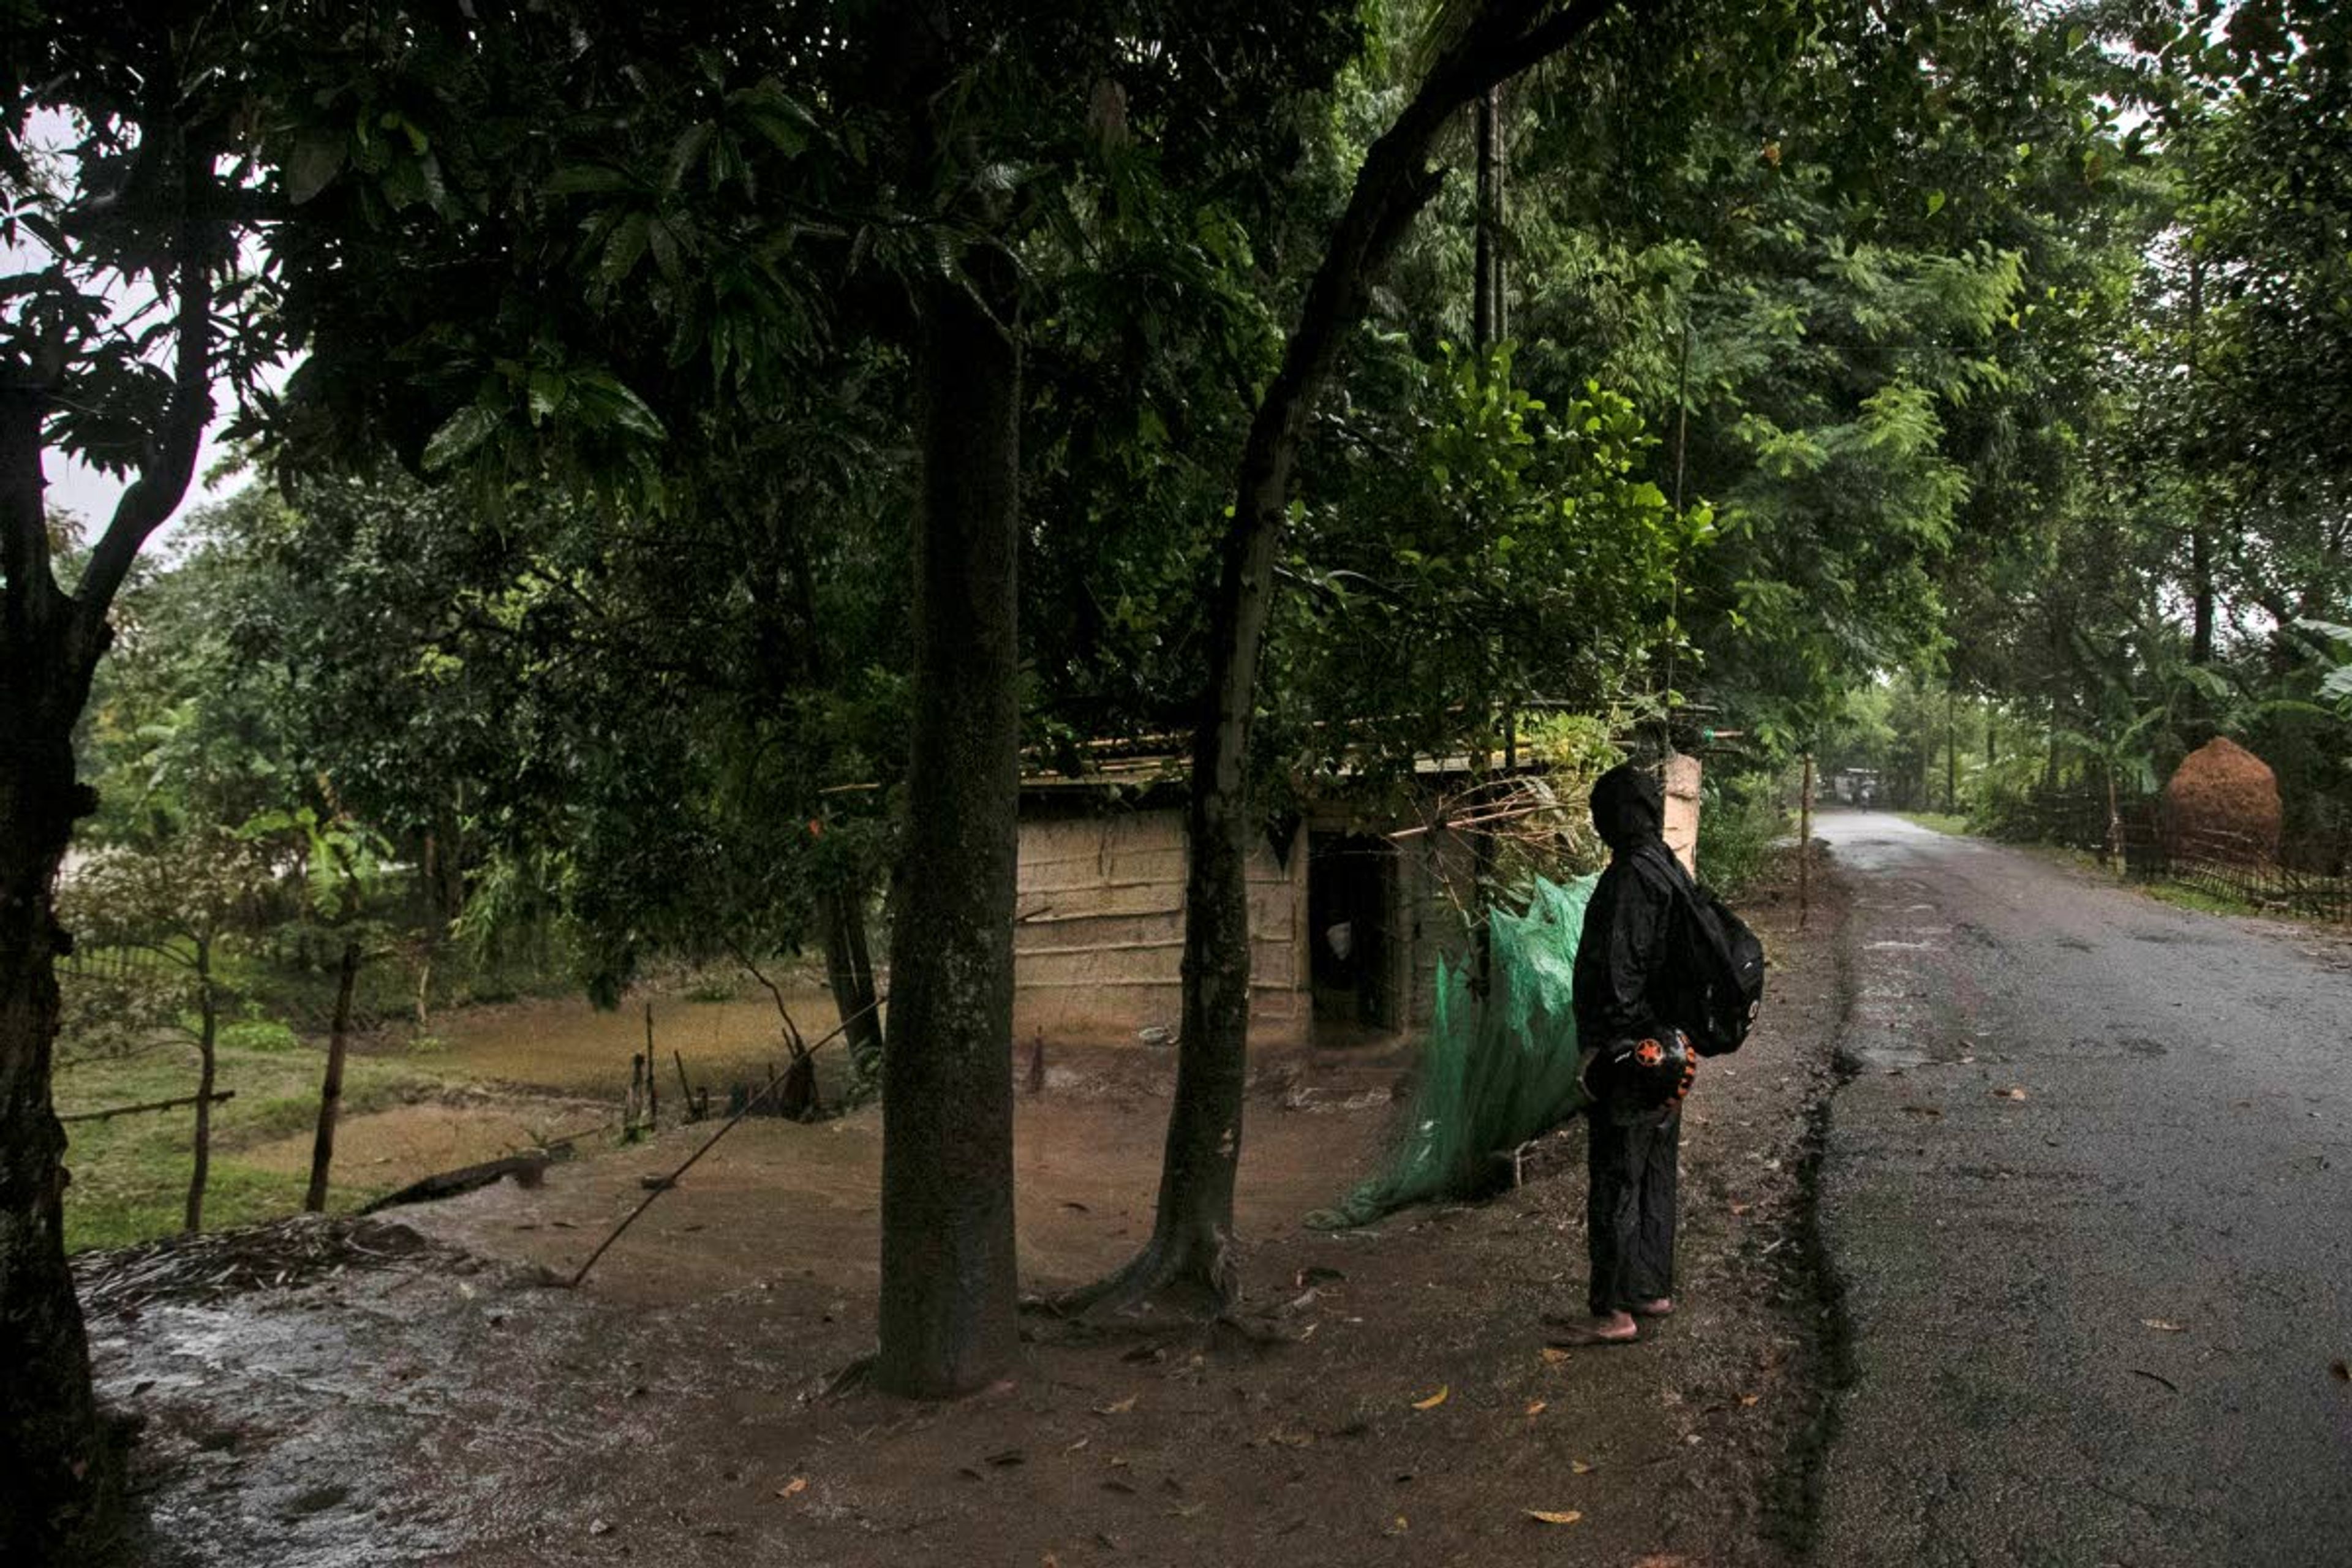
(442, 1409)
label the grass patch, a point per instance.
(131, 1173)
(1940, 821)
(2181, 895)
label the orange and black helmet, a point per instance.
(1644, 1077)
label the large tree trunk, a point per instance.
(331, 1093)
(1188, 1264)
(60, 1473)
(208, 1036)
(948, 1281)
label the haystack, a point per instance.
(2222, 804)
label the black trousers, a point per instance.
(1629, 1208)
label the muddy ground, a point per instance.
(413, 1393)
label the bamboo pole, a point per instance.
(172, 1104)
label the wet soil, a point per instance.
(1386, 1398)
(565, 1044)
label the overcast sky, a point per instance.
(87, 494)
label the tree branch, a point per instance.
(169, 465)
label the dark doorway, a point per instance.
(1351, 881)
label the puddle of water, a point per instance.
(568, 1045)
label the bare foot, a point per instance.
(1606, 1328)
(1663, 1307)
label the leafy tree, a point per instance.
(186, 899)
(1188, 1259)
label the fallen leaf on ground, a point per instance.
(2161, 1326)
(793, 1487)
(2008, 1094)
(1536, 1406)
(1748, 1401)
(1397, 1526)
(1004, 1458)
(1553, 1355)
(1739, 1209)
(1922, 1111)
(1118, 1407)
(1079, 1445)
(1579, 1468)
(1186, 1509)
(1435, 1400)
(1546, 1516)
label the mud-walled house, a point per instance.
(1351, 904)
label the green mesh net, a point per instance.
(1494, 1072)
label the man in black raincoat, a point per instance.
(1624, 990)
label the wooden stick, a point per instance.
(684, 1088)
(149, 1105)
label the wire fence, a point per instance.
(2249, 868)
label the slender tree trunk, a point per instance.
(1951, 752)
(2114, 823)
(1487, 289)
(2200, 527)
(949, 1270)
(331, 1093)
(1188, 1263)
(1486, 330)
(848, 973)
(1805, 844)
(208, 1036)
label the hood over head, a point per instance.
(1628, 807)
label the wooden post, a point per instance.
(653, 1076)
(1951, 752)
(330, 1093)
(2114, 823)
(207, 1038)
(1805, 845)
(684, 1090)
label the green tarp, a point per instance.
(1496, 1071)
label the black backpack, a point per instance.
(1722, 965)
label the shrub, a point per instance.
(1740, 817)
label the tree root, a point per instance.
(1164, 1286)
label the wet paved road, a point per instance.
(2093, 1325)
